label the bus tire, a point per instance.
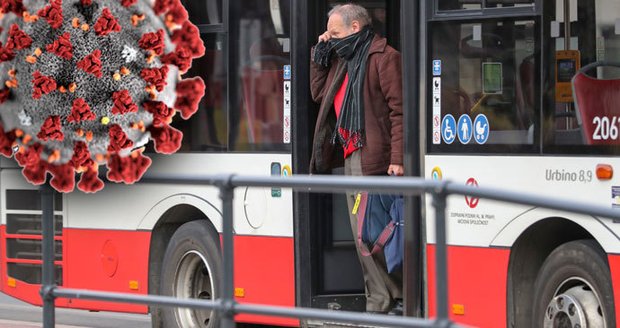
(192, 268)
(573, 288)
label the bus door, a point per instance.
(330, 274)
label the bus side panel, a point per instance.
(477, 279)
(107, 260)
(614, 268)
(3, 268)
(265, 274)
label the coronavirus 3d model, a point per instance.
(88, 82)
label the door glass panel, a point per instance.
(261, 121)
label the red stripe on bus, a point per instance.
(614, 268)
(18, 289)
(477, 285)
(107, 260)
(29, 237)
(27, 261)
(265, 269)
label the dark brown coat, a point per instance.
(382, 110)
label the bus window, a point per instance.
(261, 118)
(207, 130)
(446, 5)
(203, 12)
(483, 86)
(582, 120)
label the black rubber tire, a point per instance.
(194, 236)
(583, 259)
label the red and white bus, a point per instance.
(503, 110)
(489, 100)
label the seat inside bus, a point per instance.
(596, 100)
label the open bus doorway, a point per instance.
(336, 280)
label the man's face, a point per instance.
(337, 29)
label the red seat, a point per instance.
(598, 106)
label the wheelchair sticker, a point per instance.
(448, 129)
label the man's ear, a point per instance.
(356, 26)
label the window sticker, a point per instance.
(492, 78)
(481, 129)
(436, 110)
(448, 129)
(436, 67)
(464, 129)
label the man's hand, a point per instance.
(324, 37)
(396, 170)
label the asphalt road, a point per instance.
(17, 314)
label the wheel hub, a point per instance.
(577, 307)
(193, 280)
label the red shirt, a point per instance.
(338, 100)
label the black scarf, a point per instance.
(354, 50)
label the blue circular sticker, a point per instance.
(464, 129)
(481, 129)
(448, 129)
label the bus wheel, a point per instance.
(192, 268)
(573, 288)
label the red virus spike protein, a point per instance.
(18, 39)
(6, 54)
(92, 64)
(62, 47)
(80, 111)
(153, 41)
(42, 85)
(107, 23)
(53, 13)
(14, 6)
(125, 59)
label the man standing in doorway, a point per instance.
(356, 77)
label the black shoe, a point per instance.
(397, 309)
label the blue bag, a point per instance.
(380, 224)
(394, 246)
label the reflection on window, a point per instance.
(458, 4)
(490, 69)
(207, 129)
(202, 12)
(376, 10)
(444, 5)
(263, 47)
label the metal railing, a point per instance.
(226, 305)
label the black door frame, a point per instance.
(303, 118)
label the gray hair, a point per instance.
(350, 12)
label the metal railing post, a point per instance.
(48, 274)
(228, 301)
(441, 257)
